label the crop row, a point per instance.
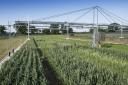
(77, 64)
(24, 68)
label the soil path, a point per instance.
(50, 74)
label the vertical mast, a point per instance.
(94, 31)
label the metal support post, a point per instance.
(94, 30)
(121, 34)
(67, 27)
(28, 31)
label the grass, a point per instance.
(8, 44)
(72, 60)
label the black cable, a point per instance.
(104, 16)
(116, 15)
(67, 13)
(82, 15)
(113, 16)
(113, 19)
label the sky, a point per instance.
(11, 10)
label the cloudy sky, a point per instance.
(11, 10)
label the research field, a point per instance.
(78, 64)
(24, 68)
(55, 60)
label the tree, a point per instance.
(100, 29)
(2, 29)
(70, 30)
(55, 31)
(92, 29)
(64, 29)
(33, 29)
(21, 28)
(113, 27)
(46, 31)
(54, 26)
